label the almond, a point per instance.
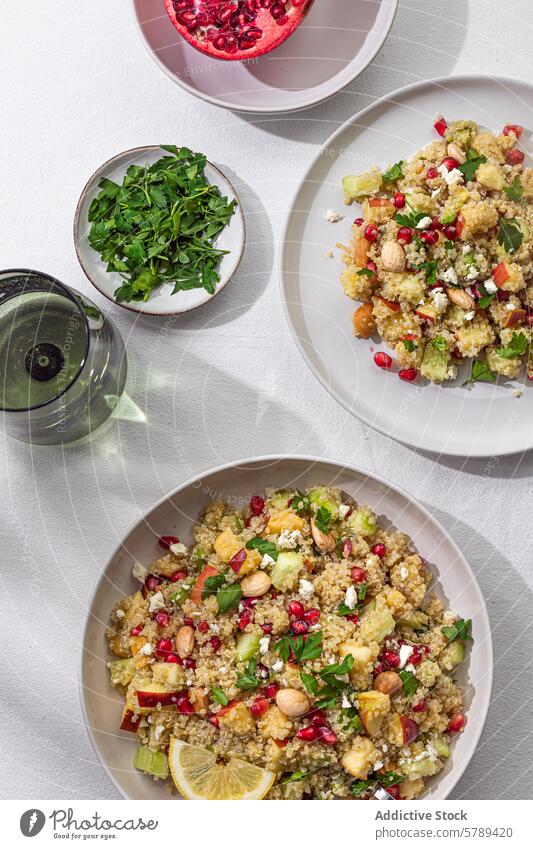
(293, 703)
(461, 299)
(185, 641)
(255, 585)
(324, 542)
(363, 321)
(456, 152)
(393, 257)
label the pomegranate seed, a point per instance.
(513, 128)
(166, 542)
(317, 717)
(257, 505)
(270, 691)
(312, 616)
(152, 582)
(441, 126)
(183, 705)
(244, 621)
(450, 163)
(347, 548)
(515, 157)
(383, 360)
(237, 560)
(404, 235)
(391, 658)
(327, 736)
(416, 657)
(310, 733)
(163, 647)
(358, 575)
(178, 576)
(450, 231)
(173, 658)
(136, 631)
(429, 237)
(299, 627)
(214, 720)
(359, 222)
(189, 663)
(421, 706)
(216, 642)
(188, 621)
(260, 706)
(296, 609)
(267, 628)
(408, 374)
(371, 232)
(394, 791)
(352, 617)
(379, 549)
(436, 224)
(432, 173)
(203, 626)
(162, 619)
(457, 723)
(249, 602)
(399, 200)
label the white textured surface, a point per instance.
(77, 87)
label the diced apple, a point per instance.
(410, 730)
(515, 317)
(286, 520)
(154, 696)
(460, 224)
(237, 718)
(426, 312)
(130, 720)
(359, 758)
(381, 202)
(501, 274)
(391, 305)
(373, 708)
(197, 590)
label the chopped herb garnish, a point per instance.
(409, 219)
(480, 371)
(366, 272)
(219, 696)
(410, 684)
(308, 650)
(473, 161)
(359, 788)
(449, 246)
(229, 597)
(516, 348)
(486, 297)
(440, 344)
(516, 190)
(510, 235)
(352, 720)
(394, 173)
(323, 520)
(387, 779)
(461, 630)
(263, 546)
(299, 775)
(409, 345)
(199, 558)
(332, 676)
(300, 502)
(213, 584)
(431, 269)
(248, 679)
(310, 683)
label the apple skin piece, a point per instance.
(410, 730)
(515, 317)
(152, 699)
(391, 305)
(384, 202)
(128, 722)
(501, 274)
(427, 313)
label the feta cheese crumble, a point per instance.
(350, 599)
(156, 602)
(469, 315)
(404, 573)
(423, 223)
(490, 287)
(277, 666)
(306, 589)
(146, 649)
(344, 509)
(333, 216)
(120, 613)
(289, 539)
(450, 276)
(139, 572)
(405, 653)
(178, 548)
(267, 560)
(264, 643)
(451, 178)
(439, 298)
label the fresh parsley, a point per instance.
(299, 775)
(351, 719)
(394, 173)
(213, 584)
(431, 269)
(248, 680)
(409, 219)
(300, 503)
(410, 684)
(160, 225)
(334, 685)
(302, 650)
(516, 190)
(510, 235)
(480, 371)
(263, 546)
(473, 161)
(387, 779)
(359, 788)
(310, 683)
(229, 597)
(440, 344)
(409, 345)
(366, 272)
(516, 348)
(219, 696)
(199, 558)
(323, 519)
(461, 630)
(486, 297)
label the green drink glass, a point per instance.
(62, 365)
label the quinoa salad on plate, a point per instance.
(294, 651)
(442, 257)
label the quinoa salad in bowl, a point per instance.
(442, 257)
(294, 651)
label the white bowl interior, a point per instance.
(449, 419)
(454, 580)
(330, 48)
(162, 301)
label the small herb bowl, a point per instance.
(161, 302)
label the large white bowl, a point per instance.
(454, 580)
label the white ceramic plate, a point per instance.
(162, 301)
(332, 46)
(454, 581)
(484, 420)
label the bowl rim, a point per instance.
(458, 770)
(354, 120)
(77, 238)
(257, 110)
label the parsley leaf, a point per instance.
(332, 676)
(431, 269)
(310, 683)
(473, 161)
(219, 696)
(352, 720)
(410, 684)
(358, 788)
(213, 584)
(486, 297)
(300, 502)
(510, 235)
(248, 679)
(366, 272)
(229, 597)
(263, 546)
(387, 779)
(308, 650)
(299, 775)
(461, 630)
(323, 520)
(516, 190)
(440, 344)
(394, 173)
(409, 219)
(409, 345)
(480, 371)
(516, 348)
(199, 558)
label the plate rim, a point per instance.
(434, 81)
(280, 458)
(234, 107)
(76, 235)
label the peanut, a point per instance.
(393, 257)
(185, 641)
(292, 703)
(363, 320)
(388, 683)
(324, 542)
(255, 585)
(461, 299)
(362, 246)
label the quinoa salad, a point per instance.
(442, 257)
(294, 651)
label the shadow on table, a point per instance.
(518, 465)
(505, 751)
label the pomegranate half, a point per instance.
(236, 29)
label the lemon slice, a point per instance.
(197, 775)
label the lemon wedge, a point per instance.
(197, 775)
